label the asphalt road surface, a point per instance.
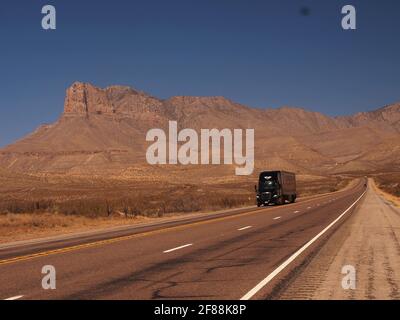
(240, 254)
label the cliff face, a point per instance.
(85, 99)
(82, 98)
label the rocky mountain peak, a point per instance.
(84, 98)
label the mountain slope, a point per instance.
(103, 131)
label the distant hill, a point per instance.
(103, 131)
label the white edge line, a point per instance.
(244, 228)
(13, 298)
(177, 248)
(272, 275)
(276, 218)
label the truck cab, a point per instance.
(276, 187)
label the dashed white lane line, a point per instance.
(276, 218)
(14, 298)
(244, 228)
(309, 207)
(297, 211)
(178, 248)
(274, 273)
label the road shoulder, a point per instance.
(369, 241)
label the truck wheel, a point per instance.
(280, 201)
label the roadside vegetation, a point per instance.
(42, 207)
(389, 182)
(131, 200)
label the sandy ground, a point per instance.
(370, 241)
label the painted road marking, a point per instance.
(309, 207)
(276, 218)
(14, 298)
(272, 275)
(244, 228)
(297, 211)
(178, 248)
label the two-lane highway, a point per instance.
(243, 254)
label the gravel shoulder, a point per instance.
(369, 240)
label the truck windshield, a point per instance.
(267, 185)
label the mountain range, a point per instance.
(103, 131)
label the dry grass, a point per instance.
(15, 227)
(145, 200)
(388, 185)
(389, 182)
(43, 206)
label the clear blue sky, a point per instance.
(260, 53)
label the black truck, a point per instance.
(276, 187)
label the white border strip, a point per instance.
(245, 228)
(13, 298)
(177, 248)
(272, 275)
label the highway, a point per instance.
(238, 254)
